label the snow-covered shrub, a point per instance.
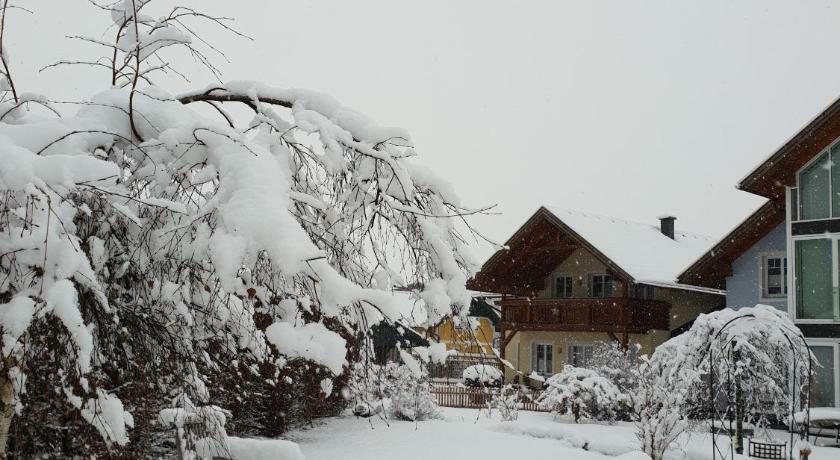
(479, 375)
(758, 349)
(153, 244)
(658, 408)
(583, 394)
(401, 391)
(621, 367)
(507, 402)
(409, 395)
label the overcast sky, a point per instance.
(624, 108)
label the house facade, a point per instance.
(569, 280)
(786, 253)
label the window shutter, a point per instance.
(533, 357)
(549, 359)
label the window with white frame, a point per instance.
(773, 275)
(818, 186)
(816, 278)
(580, 355)
(562, 286)
(542, 358)
(825, 387)
(600, 286)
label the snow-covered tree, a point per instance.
(756, 356)
(156, 248)
(583, 394)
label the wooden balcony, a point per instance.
(616, 314)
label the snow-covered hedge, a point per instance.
(482, 375)
(583, 394)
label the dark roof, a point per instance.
(631, 251)
(712, 268)
(771, 176)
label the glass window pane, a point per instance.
(814, 291)
(822, 395)
(794, 207)
(813, 190)
(773, 280)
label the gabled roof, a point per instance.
(779, 169)
(639, 249)
(712, 268)
(632, 251)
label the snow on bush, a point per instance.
(154, 238)
(583, 394)
(393, 390)
(758, 347)
(482, 375)
(409, 396)
(758, 350)
(507, 402)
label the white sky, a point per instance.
(625, 108)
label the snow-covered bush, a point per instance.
(409, 395)
(507, 402)
(583, 394)
(153, 244)
(479, 375)
(758, 349)
(658, 408)
(394, 390)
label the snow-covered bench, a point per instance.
(822, 418)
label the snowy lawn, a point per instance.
(466, 434)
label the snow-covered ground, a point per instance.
(468, 434)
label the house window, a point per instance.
(819, 184)
(644, 291)
(825, 387)
(542, 358)
(580, 355)
(600, 286)
(562, 287)
(815, 289)
(773, 275)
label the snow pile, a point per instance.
(263, 449)
(482, 375)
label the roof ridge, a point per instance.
(683, 233)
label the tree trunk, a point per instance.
(7, 410)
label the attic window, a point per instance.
(600, 286)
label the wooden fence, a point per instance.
(481, 398)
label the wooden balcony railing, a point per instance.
(616, 314)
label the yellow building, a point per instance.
(471, 337)
(571, 279)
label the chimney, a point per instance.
(666, 225)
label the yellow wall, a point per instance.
(579, 265)
(518, 351)
(479, 340)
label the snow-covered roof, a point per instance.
(641, 250)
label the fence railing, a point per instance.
(481, 398)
